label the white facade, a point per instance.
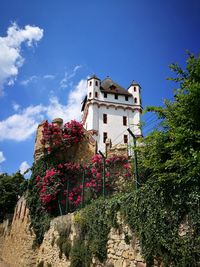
(109, 110)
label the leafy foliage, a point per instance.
(170, 165)
(95, 222)
(11, 187)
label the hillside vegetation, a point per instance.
(164, 210)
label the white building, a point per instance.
(108, 110)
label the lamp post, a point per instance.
(104, 174)
(135, 158)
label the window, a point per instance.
(105, 95)
(105, 136)
(116, 96)
(125, 139)
(135, 100)
(124, 120)
(104, 118)
(90, 83)
(96, 83)
(134, 88)
(126, 97)
(96, 94)
(90, 94)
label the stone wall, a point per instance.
(122, 247)
(16, 246)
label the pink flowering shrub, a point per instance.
(54, 136)
(63, 183)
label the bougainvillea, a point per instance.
(54, 136)
(63, 184)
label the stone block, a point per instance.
(119, 263)
(140, 264)
(125, 254)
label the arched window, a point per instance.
(96, 94)
(134, 88)
(135, 100)
(90, 94)
(90, 83)
(96, 83)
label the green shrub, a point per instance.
(80, 255)
(64, 245)
(40, 264)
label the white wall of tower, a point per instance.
(115, 109)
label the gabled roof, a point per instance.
(111, 87)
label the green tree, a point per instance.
(170, 167)
(11, 187)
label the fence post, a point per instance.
(83, 187)
(67, 197)
(104, 171)
(135, 158)
(60, 209)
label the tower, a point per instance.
(109, 109)
(135, 90)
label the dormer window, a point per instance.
(96, 83)
(96, 94)
(116, 96)
(135, 100)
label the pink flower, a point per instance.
(126, 166)
(98, 175)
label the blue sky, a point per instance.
(49, 48)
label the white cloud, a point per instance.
(73, 108)
(56, 109)
(10, 51)
(75, 99)
(49, 76)
(24, 167)
(2, 158)
(16, 106)
(34, 79)
(23, 124)
(26, 82)
(64, 83)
